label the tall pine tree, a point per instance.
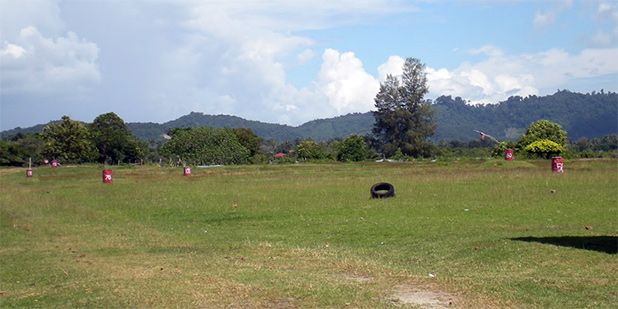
(404, 119)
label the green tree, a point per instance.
(543, 129)
(610, 141)
(20, 148)
(68, 141)
(310, 150)
(10, 154)
(248, 139)
(113, 140)
(284, 147)
(204, 145)
(252, 142)
(352, 149)
(404, 119)
(583, 143)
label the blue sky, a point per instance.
(288, 61)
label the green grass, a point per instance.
(495, 234)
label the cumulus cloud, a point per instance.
(345, 83)
(497, 77)
(243, 48)
(35, 63)
(393, 66)
(13, 50)
(38, 56)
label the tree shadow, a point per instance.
(606, 244)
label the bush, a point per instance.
(399, 156)
(352, 149)
(544, 148)
(283, 160)
(498, 150)
(197, 146)
(310, 150)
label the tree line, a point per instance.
(590, 115)
(404, 123)
(107, 141)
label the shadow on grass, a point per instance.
(607, 244)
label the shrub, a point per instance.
(544, 148)
(352, 149)
(498, 150)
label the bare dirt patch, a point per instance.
(418, 297)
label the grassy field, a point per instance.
(487, 234)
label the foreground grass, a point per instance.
(494, 234)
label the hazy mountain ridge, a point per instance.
(581, 115)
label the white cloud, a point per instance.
(478, 79)
(393, 66)
(607, 13)
(442, 81)
(548, 18)
(37, 64)
(245, 50)
(497, 77)
(345, 83)
(604, 39)
(243, 57)
(543, 19)
(436, 75)
(305, 56)
(13, 50)
(488, 50)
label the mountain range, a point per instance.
(581, 115)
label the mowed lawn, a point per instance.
(486, 234)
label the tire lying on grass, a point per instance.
(382, 189)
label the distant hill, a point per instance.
(318, 130)
(146, 131)
(581, 115)
(338, 127)
(34, 129)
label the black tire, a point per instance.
(382, 189)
